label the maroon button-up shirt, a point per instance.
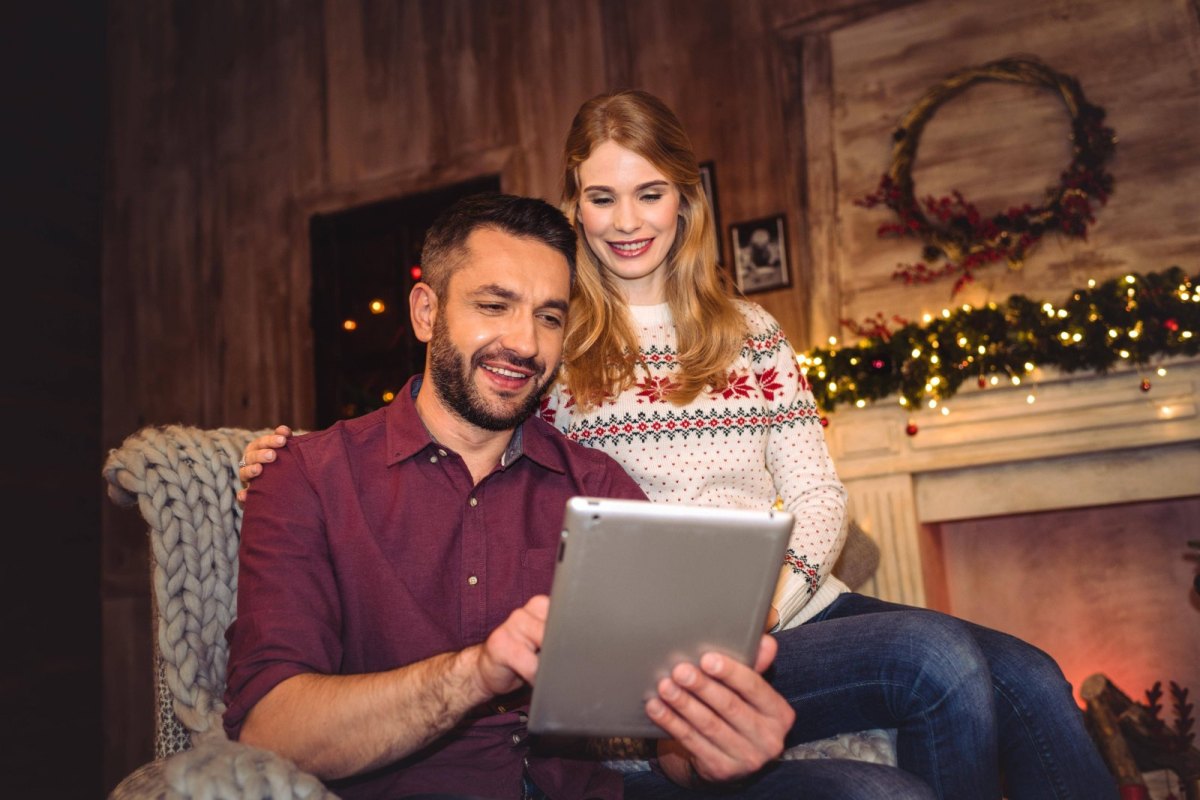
(367, 547)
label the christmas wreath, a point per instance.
(952, 228)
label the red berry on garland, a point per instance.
(982, 381)
(1172, 325)
(1145, 384)
(824, 422)
(911, 429)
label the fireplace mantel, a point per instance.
(1084, 440)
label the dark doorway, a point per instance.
(363, 263)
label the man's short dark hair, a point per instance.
(525, 217)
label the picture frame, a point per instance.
(760, 254)
(708, 179)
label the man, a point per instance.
(376, 643)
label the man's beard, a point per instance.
(452, 381)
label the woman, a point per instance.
(697, 395)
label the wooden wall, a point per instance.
(233, 122)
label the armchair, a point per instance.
(183, 481)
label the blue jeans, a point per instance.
(814, 779)
(969, 704)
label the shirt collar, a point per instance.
(407, 434)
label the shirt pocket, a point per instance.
(537, 571)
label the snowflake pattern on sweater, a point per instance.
(742, 446)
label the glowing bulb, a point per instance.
(935, 380)
(854, 361)
(1133, 334)
(1112, 333)
(833, 388)
(946, 313)
(982, 349)
(1064, 336)
(1129, 279)
(934, 359)
(377, 307)
(945, 411)
(1029, 366)
(1077, 337)
(350, 325)
(926, 318)
(903, 401)
(832, 341)
(1030, 399)
(994, 380)
(389, 397)
(1091, 283)
(1162, 372)
(962, 341)
(1062, 313)
(1124, 354)
(1185, 335)
(916, 353)
(1016, 380)
(860, 403)
(933, 403)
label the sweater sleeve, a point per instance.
(801, 468)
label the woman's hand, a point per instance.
(258, 452)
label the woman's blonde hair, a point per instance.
(601, 350)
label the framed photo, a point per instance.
(760, 254)
(708, 179)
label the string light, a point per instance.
(350, 325)
(1094, 328)
(377, 307)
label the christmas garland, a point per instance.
(1131, 319)
(952, 227)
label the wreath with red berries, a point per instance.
(954, 231)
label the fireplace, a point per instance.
(1057, 510)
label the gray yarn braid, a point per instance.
(184, 481)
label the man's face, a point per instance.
(498, 335)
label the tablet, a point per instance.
(638, 588)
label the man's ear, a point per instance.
(422, 310)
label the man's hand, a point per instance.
(259, 452)
(725, 720)
(508, 658)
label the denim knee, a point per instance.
(945, 659)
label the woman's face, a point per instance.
(630, 214)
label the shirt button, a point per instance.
(441, 452)
(516, 738)
(472, 580)
(433, 459)
(472, 502)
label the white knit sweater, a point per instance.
(758, 439)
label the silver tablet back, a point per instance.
(639, 587)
